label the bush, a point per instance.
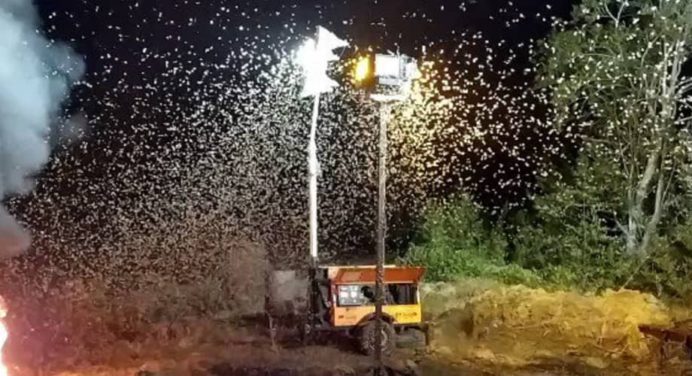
(551, 252)
(666, 270)
(456, 243)
(562, 247)
(577, 255)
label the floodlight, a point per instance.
(388, 75)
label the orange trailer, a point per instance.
(343, 298)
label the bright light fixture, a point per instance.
(362, 71)
(314, 57)
(387, 65)
(387, 77)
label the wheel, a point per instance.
(367, 338)
(307, 333)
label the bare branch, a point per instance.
(683, 120)
(615, 18)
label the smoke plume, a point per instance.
(35, 77)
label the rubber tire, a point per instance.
(307, 333)
(366, 338)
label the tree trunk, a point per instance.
(670, 82)
(655, 217)
(635, 212)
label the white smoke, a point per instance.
(35, 77)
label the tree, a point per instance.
(617, 88)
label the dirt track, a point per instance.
(249, 360)
(488, 331)
(252, 354)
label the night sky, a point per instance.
(118, 37)
(130, 46)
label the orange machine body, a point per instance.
(344, 316)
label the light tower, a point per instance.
(314, 57)
(388, 79)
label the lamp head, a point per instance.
(364, 73)
(385, 74)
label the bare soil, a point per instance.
(477, 329)
(249, 351)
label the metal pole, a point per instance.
(313, 170)
(381, 233)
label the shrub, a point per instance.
(455, 243)
(564, 246)
(551, 252)
(666, 270)
(573, 255)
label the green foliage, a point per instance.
(616, 85)
(571, 238)
(573, 255)
(667, 270)
(457, 243)
(615, 205)
(564, 246)
(459, 225)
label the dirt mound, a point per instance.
(608, 322)
(520, 326)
